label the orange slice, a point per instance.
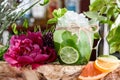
(91, 73)
(105, 66)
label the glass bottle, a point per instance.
(72, 5)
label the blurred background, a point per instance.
(39, 15)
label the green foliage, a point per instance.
(114, 39)
(3, 49)
(81, 44)
(107, 11)
(25, 26)
(26, 23)
(69, 40)
(57, 14)
(14, 28)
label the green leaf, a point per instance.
(52, 21)
(92, 14)
(110, 12)
(69, 40)
(97, 5)
(95, 16)
(68, 35)
(3, 49)
(44, 2)
(14, 28)
(26, 24)
(114, 39)
(57, 14)
(81, 44)
(102, 19)
(103, 10)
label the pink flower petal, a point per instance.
(9, 59)
(36, 47)
(25, 59)
(41, 58)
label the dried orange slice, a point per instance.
(91, 73)
(106, 64)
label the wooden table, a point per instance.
(48, 72)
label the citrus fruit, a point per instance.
(89, 72)
(106, 64)
(109, 58)
(57, 36)
(69, 55)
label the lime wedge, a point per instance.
(69, 55)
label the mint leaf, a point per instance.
(107, 11)
(103, 10)
(57, 14)
(92, 14)
(52, 21)
(69, 40)
(68, 35)
(81, 44)
(114, 39)
(97, 5)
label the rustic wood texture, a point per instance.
(48, 72)
(60, 72)
(115, 75)
(8, 72)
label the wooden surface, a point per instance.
(60, 72)
(48, 72)
(11, 73)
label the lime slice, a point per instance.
(69, 55)
(57, 36)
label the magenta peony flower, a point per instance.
(29, 50)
